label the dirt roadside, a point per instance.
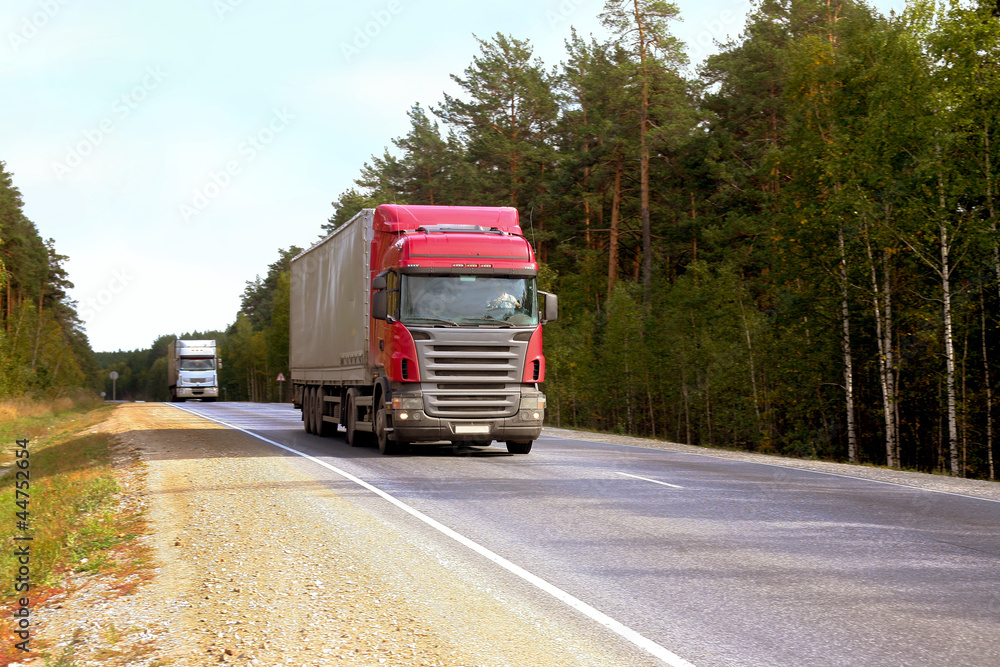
(256, 563)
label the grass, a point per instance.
(34, 418)
(75, 519)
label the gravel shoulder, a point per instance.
(968, 487)
(257, 563)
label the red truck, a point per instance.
(420, 324)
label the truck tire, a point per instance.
(355, 438)
(518, 447)
(385, 445)
(324, 429)
(307, 409)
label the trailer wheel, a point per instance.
(313, 395)
(324, 429)
(518, 447)
(307, 409)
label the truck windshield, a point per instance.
(465, 300)
(207, 364)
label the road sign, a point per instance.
(114, 384)
(114, 375)
(281, 377)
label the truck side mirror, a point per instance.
(550, 307)
(379, 282)
(220, 364)
(380, 309)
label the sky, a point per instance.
(171, 148)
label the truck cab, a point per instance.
(420, 324)
(192, 370)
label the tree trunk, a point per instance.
(845, 340)
(708, 406)
(616, 203)
(647, 236)
(884, 340)
(949, 343)
(965, 403)
(949, 350)
(989, 387)
(892, 372)
(687, 408)
(38, 327)
(652, 410)
(753, 367)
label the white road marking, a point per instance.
(619, 629)
(654, 481)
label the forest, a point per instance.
(791, 248)
(43, 348)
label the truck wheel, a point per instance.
(352, 418)
(314, 410)
(307, 409)
(518, 447)
(385, 445)
(324, 429)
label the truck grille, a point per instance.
(471, 373)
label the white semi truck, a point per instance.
(193, 370)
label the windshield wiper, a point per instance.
(436, 320)
(491, 320)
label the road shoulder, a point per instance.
(257, 562)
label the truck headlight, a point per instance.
(408, 403)
(533, 402)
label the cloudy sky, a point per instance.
(171, 148)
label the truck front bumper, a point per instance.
(522, 427)
(197, 392)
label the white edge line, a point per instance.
(646, 479)
(621, 630)
(789, 467)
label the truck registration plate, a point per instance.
(472, 428)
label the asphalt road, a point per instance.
(719, 562)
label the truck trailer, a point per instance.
(420, 324)
(193, 370)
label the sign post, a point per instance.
(281, 388)
(114, 384)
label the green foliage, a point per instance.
(823, 122)
(43, 349)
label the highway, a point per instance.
(685, 558)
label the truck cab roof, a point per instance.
(397, 218)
